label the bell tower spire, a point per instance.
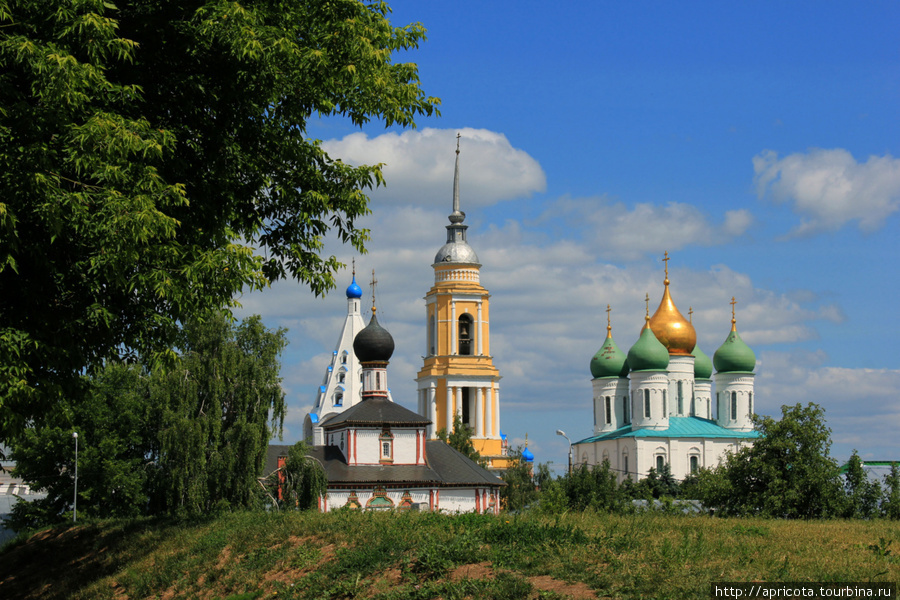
(458, 381)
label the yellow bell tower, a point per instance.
(459, 376)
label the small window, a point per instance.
(608, 410)
(339, 398)
(625, 414)
(665, 412)
(660, 462)
(750, 407)
(733, 406)
(342, 376)
(695, 464)
(693, 406)
(646, 404)
(344, 358)
(386, 440)
(625, 464)
(680, 397)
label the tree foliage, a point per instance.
(863, 496)
(187, 438)
(787, 472)
(302, 479)
(520, 490)
(461, 440)
(154, 162)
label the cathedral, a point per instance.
(654, 406)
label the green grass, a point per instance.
(392, 556)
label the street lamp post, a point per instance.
(563, 433)
(75, 499)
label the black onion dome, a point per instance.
(373, 343)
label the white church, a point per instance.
(654, 406)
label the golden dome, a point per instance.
(670, 327)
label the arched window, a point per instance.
(660, 462)
(693, 406)
(750, 407)
(339, 397)
(665, 408)
(625, 414)
(625, 463)
(342, 376)
(695, 464)
(344, 358)
(646, 404)
(733, 406)
(680, 397)
(466, 335)
(608, 410)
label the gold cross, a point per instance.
(458, 135)
(691, 314)
(666, 260)
(733, 302)
(374, 281)
(647, 301)
(608, 309)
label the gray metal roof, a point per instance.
(377, 411)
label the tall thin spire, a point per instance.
(457, 216)
(374, 281)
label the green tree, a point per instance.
(593, 487)
(302, 479)
(787, 472)
(155, 162)
(863, 496)
(890, 506)
(461, 439)
(519, 491)
(220, 405)
(117, 452)
(186, 438)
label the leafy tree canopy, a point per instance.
(788, 472)
(186, 438)
(154, 162)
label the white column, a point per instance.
(489, 426)
(479, 328)
(449, 408)
(432, 408)
(453, 327)
(497, 411)
(479, 408)
(459, 401)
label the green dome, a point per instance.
(703, 367)
(609, 361)
(734, 355)
(648, 354)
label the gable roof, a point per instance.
(377, 411)
(679, 427)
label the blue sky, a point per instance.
(757, 143)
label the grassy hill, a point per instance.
(420, 555)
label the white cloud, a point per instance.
(860, 404)
(619, 232)
(418, 166)
(828, 188)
